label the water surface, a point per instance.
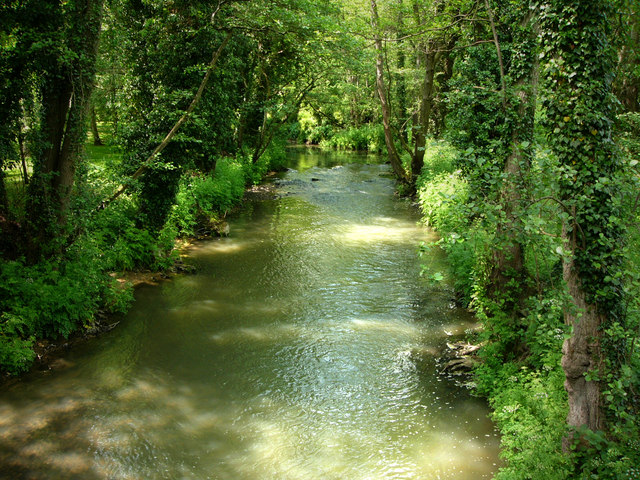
(303, 348)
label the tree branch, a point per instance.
(503, 82)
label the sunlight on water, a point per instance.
(365, 234)
(303, 348)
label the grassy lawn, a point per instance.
(100, 156)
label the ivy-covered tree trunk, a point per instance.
(578, 75)
(394, 157)
(400, 77)
(440, 106)
(66, 90)
(519, 103)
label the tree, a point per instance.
(49, 55)
(381, 90)
(433, 31)
(578, 73)
(492, 121)
(627, 85)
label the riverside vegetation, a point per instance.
(516, 126)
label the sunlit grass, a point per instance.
(102, 156)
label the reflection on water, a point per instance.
(302, 349)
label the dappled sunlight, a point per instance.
(222, 246)
(399, 328)
(453, 455)
(373, 234)
(267, 333)
(333, 450)
(197, 307)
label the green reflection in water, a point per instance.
(302, 349)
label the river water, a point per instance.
(302, 348)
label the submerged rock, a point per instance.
(459, 358)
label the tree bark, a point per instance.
(394, 158)
(23, 155)
(519, 108)
(3, 196)
(581, 140)
(400, 77)
(440, 106)
(429, 58)
(581, 352)
(630, 55)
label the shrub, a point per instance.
(16, 352)
(52, 299)
(367, 137)
(200, 196)
(529, 408)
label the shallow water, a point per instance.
(301, 349)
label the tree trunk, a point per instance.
(581, 352)
(508, 264)
(507, 269)
(355, 114)
(23, 155)
(429, 58)
(400, 77)
(3, 196)
(439, 105)
(114, 116)
(97, 141)
(65, 102)
(394, 158)
(631, 56)
(581, 140)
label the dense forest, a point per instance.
(127, 125)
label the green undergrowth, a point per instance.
(520, 372)
(443, 196)
(368, 136)
(53, 299)
(202, 196)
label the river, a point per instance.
(302, 348)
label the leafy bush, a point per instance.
(628, 135)
(439, 157)
(201, 196)
(443, 199)
(529, 408)
(16, 351)
(443, 195)
(275, 159)
(367, 137)
(52, 299)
